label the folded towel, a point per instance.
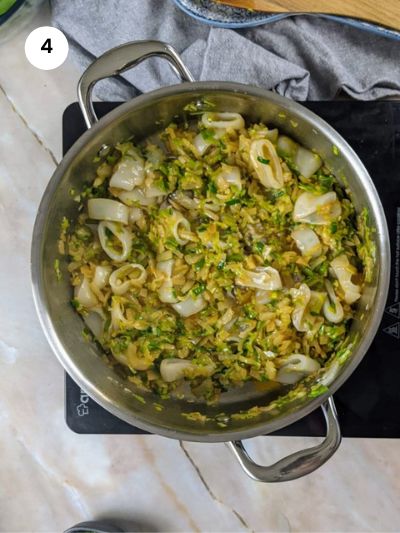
(301, 57)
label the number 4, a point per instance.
(47, 46)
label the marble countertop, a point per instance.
(51, 478)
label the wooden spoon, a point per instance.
(384, 12)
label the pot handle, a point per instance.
(120, 59)
(300, 463)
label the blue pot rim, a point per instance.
(13, 9)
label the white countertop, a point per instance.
(51, 478)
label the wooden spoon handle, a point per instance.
(385, 12)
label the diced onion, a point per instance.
(307, 242)
(266, 163)
(223, 120)
(123, 235)
(316, 209)
(135, 275)
(106, 209)
(296, 367)
(129, 173)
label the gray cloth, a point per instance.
(304, 58)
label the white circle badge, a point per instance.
(46, 48)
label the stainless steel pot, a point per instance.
(63, 327)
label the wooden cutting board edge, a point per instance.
(385, 13)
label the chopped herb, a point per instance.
(221, 265)
(250, 312)
(263, 160)
(208, 135)
(212, 187)
(317, 390)
(199, 265)
(326, 182)
(259, 247)
(171, 243)
(75, 304)
(335, 150)
(87, 335)
(64, 224)
(198, 289)
(333, 227)
(57, 269)
(234, 258)
(277, 194)
(139, 398)
(234, 201)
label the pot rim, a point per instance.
(39, 296)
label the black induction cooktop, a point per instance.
(368, 403)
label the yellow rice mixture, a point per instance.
(215, 254)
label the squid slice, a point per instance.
(129, 172)
(84, 294)
(174, 369)
(202, 145)
(330, 374)
(135, 214)
(118, 319)
(266, 163)
(230, 175)
(179, 225)
(153, 192)
(316, 209)
(262, 297)
(306, 161)
(166, 291)
(223, 121)
(101, 276)
(296, 367)
(136, 196)
(123, 236)
(307, 242)
(306, 302)
(263, 278)
(134, 274)
(106, 209)
(94, 320)
(302, 297)
(333, 309)
(190, 306)
(344, 270)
